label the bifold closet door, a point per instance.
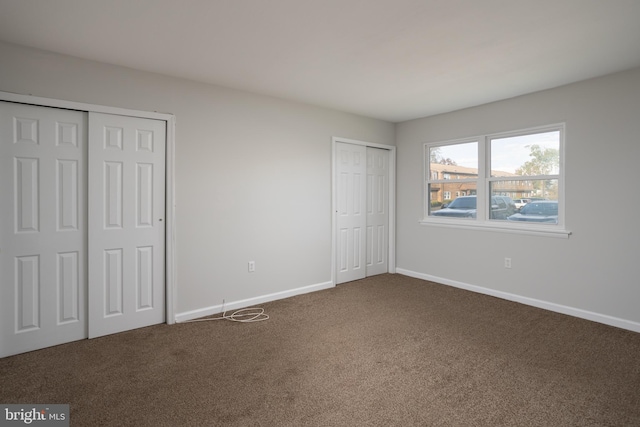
(377, 258)
(126, 223)
(75, 265)
(42, 227)
(351, 170)
(362, 203)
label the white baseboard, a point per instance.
(558, 308)
(234, 305)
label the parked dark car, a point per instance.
(543, 211)
(466, 207)
(461, 207)
(510, 206)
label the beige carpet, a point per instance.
(385, 351)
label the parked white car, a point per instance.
(520, 203)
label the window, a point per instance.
(489, 172)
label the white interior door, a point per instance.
(42, 227)
(377, 211)
(126, 228)
(351, 170)
(362, 176)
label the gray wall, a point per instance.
(253, 173)
(253, 183)
(596, 272)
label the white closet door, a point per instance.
(377, 211)
(42, 227)
(126, 228)
(351, 169)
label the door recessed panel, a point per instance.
(113, 282)
(357, 248)
(67, 195)
(343, 157)
(370, 189)
(113, 195)
(144, 277)
(369, 256)
(144, 195)
(27, 291)
(343, 194)
(66, 134)
(380, 194)
(25, 131)
(356, 199)
(26, 194)
(144, 140)
(68, 291)
(381, 246)
(113, 138)
(343, 249)
(357, 158)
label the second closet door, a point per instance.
(126, 223)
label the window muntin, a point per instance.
(498, 169)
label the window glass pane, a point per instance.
(456, 199)
(524, 193)
(526, 155)
(454, 160)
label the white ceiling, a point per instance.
(390, 59)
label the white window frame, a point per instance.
(484, 180)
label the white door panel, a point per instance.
(126, 228)
(377, 210)
(42, 227)
(351, 219)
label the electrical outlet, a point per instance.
(507, 263)
(252, 266)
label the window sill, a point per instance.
(532, 230)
